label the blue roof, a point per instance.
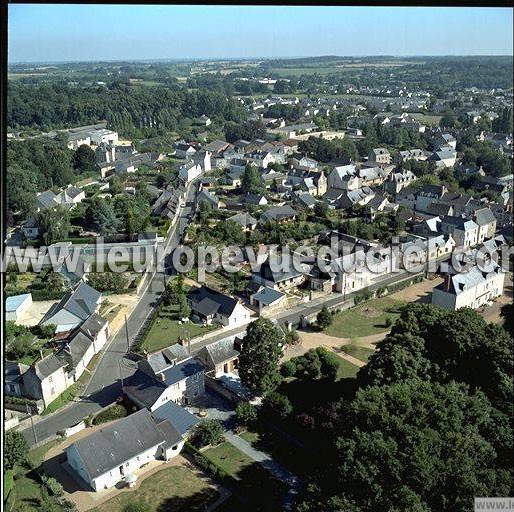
(14, 302)
(181, 371)
(179, 417)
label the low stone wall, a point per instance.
(213, 384)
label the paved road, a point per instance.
(105, 384)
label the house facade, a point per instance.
(109, 455)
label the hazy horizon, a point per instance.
(69, 33)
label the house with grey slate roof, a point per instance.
(163, 376)
(106, 457)
(74, 308)
(219, 358)
(471, 289)
(46, 379)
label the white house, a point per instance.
(110, 454)
(464, 232)
(46, 379)
(210, 306)
(16, 305)
(164, 376)
(189, 171)
(470, 289)
(74, 308)
(103, 135)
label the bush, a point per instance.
(208, 432)
(278, 403)
(112, 413)
(324, 318)
(246, 413)
(329, 363)
(389, 321)
(292, 338)
(288, 368)
(54, 487)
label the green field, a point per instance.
(346, 370)
(428, 119)
(365, 319)
(174, 489)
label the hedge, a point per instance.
(114, 412)
(207, 465)
(19, 400)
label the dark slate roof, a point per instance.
(216, 302)
(180, 418)
(278, 213)
(219, 352)
(48, 365)
(81, 302)
(267, 273)
(93, 325)
(484, 216)
(182, 371)
(169, 433)
(110, 447)
(144, 388)
(243, 219)
(75, 349)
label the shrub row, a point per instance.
(19, 400)
(114, 412)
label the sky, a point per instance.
(81, 32)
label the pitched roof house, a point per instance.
(110, 454)
(210, 306)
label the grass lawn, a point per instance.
(27, 490)
(346, 370)
(173, 489)
(365, 319)
(252, 480)
(362, 353)
(429, 119)
(265, 439)
(166, 330)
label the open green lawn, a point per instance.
(365, 319)
(27, 491)
(174, 489)
(428, 119)
(346, 370)
(166, 330)
(362, 353)
(252, 480)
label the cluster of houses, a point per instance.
(80, 332)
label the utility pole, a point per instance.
(121, 374)
(127, 334)
(32, 423)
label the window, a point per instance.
(137, 457)
(50, 379)
(175, 447)
(13, 389)
(126, 464)
(52, 391)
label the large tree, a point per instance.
(15, 448)
(251, 181)
(260, 355)
(101, 217)
(84, 160)
(414, 446)
(54, 224)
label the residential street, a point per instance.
(104, 386)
